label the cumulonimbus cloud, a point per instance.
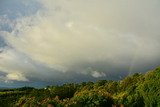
(72, 36)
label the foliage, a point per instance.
(137, 90)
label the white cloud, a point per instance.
(71, 34)
(97, 74)
(16, 76)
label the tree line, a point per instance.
(138, 90)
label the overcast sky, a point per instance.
(46, 42)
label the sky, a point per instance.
(49, 42)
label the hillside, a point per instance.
(138, 90)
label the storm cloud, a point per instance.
(58, 41)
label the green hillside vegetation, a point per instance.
(138, 90)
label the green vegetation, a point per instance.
(137, 90)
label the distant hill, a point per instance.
(138, 90)
(1, 88)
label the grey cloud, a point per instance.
(2, 42)
(62, 42)
(17, 8)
